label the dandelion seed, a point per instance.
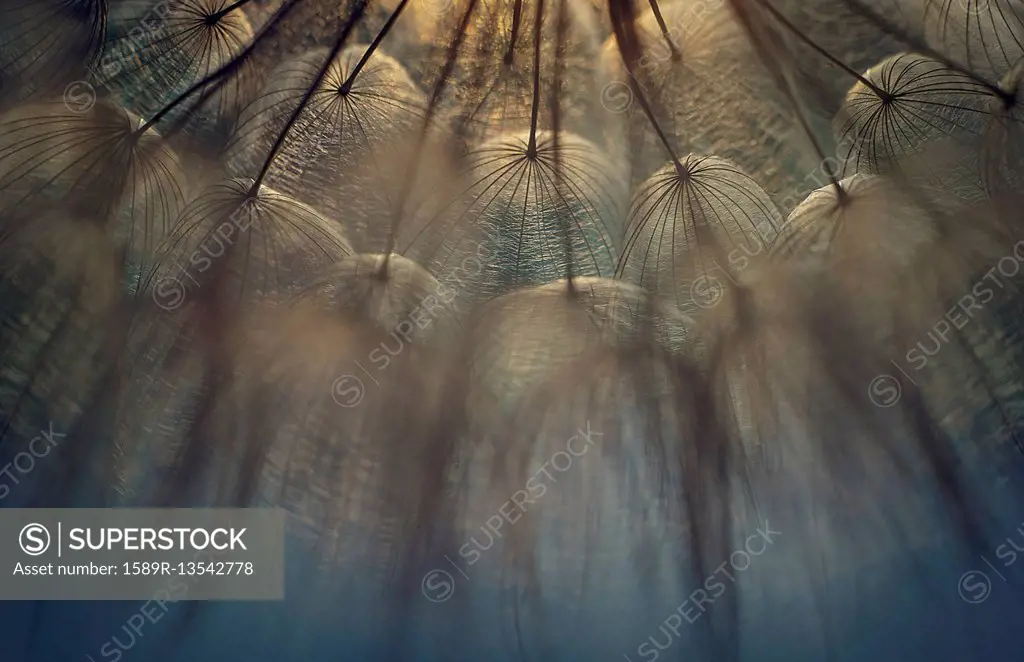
(234, 249)
(507, 234)
(693, 231)
(715, 97)
(354, 120)
(917, 109)
(985, 35)
(1003, 151)
(46, 44)
(914, 257)
(160, 59)
(103, 164)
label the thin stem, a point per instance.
(347, 85)
(517, 19)
(428, 118)
(760, 38)
(561, 28)
(1009, 98)
(213, 19)
(676, 55)
(221, 74)
(624, 28)
(350, 23)
(879, 92)
(531, 149)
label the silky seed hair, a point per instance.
(363, 111)
(986, 36)
(87, 196)
(505, 234)
(1002, 159)
(916, 110)
(44, 46)
(715, 68)
(692, 232)
(179, 43)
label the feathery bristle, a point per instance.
(515, 208)
(692, 233)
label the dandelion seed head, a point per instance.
(228, 251)
(714, 99)
(46, 44)
(385, 295)
(148, 68)
(702, 226)
(328, 371)
(386, 309)
(510, 230)
(987, 36)
(525, 337)
(878, 220)
(924, 108)
(338, 132)
(53, 157)
(551, 365)
(1003, 154)
(265, 245)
